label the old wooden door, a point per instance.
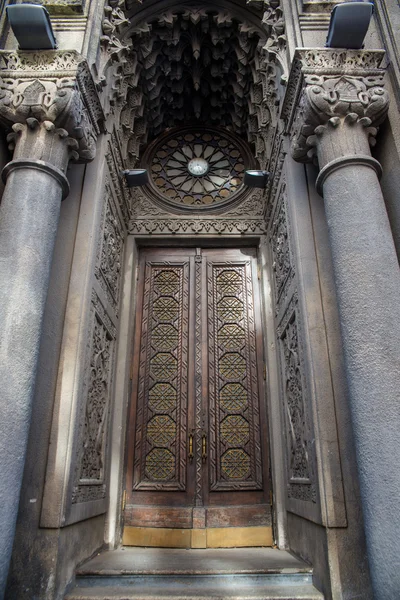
(197, 454)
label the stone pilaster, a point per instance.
(49, 102)
(334, 104)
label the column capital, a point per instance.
(51, 88)
(330, 88)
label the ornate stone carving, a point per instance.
(330, 88)
(54, 87)
(93, 435)
(196, 226)
(192, 64)
(298, 439)
(115, 167)
(108, 268)
(282, 261)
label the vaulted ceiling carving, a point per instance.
(196, 65)
(193, 63)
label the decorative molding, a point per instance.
(149, 218)
(54, 87)
(327, 88)
(196, 226)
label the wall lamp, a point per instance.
(136, 177)
(31, 26)
(256, 179)
(349, 24)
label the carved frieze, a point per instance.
(196, 226)
(328, 87)
(54, 87)
(149, 218)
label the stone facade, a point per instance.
(324, 123)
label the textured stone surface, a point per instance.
(28, 224)
(154, 561)
(335, 123)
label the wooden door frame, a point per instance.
(122, 389)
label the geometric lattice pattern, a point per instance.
(162, 397)
(233, 397)
(232, 336)
(232, 366)
(230, 309)
(165, 337)
(166, 309)
(159, 444)
(229, 283)
(160, 464)
(237, 435)
(235, 464)
(166, 282)
(235, 430)
(161, 430)
(163, 366)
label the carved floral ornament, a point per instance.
(329, 87)
(53, 87)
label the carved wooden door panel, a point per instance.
(197, 447)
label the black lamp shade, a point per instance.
(136, 177)
(256, 179)
(349, 24)
(31, 26)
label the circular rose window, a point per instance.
(197, 168)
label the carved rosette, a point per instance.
(331, 90)
(49, 93)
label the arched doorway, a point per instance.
(201, 112)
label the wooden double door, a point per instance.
(197, 453)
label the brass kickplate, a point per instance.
(218, 537)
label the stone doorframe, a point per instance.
(124, 361)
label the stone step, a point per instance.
(161, 574)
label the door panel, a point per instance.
(234, 419)
(197, 442)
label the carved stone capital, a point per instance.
(339, 90)
(53, 87)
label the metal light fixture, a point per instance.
(136, 177)
(349, 24)
(31, 26)
(256, 179)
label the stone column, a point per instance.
(52, 112)
(334, 103)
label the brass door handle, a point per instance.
(190, 453)
(204, 447)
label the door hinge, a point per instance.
(258, 272)
(124, 500)
(265, 371)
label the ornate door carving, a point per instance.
(197, 431)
